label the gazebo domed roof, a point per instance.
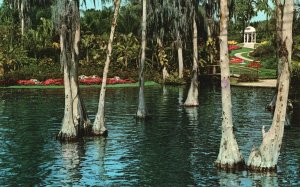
(250, 29)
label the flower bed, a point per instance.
(236, 60)
(254, 64)
(53, 82)
(233, 47)
(232, 42)
(82, 79)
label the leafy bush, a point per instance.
(296, 48)
(173, 79)
(248, 78)
(269, 62)
(263, 50)
(296, 68)
(35, 71)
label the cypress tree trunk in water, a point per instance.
(229, 156)
(180, 56)
(280, 64)
(75, 122)
(265, 158)
(99, 123)
(192, 98)
(141, 112)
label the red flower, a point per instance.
(233, 47)
(236, 60)
(255, 64)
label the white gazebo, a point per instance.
(249, 37)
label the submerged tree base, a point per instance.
(190, 105)
(104, 133)
(141, 114)
(231, 167)
(63, 137)
(145, 117)
(261, 169)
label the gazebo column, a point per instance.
(247, 38)
(254, 37)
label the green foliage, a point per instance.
(211, 49)
(129, 20)
(296, 48)
(244, 10)
(97, 21)
(174, 80)
(35, 71)
(248, 78)
(125, 54)
(162, 56)
(296, 56)
(94, 47)
(12, 54)
(264, 49)
(126, 51)
(296, 68)
(266, 52)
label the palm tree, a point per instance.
(99, 123)
(141, 112)
(229, 154)
(266, 156)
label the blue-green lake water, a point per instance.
(176, 147)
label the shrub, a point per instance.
(264, 50)
(173, 79)
(248, 78)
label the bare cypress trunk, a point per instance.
(22, 18)
(266, 156)
(229, 156)
(280, 64)
(209, 36)
(180, 56)
(192, 98)
(99, 123)
(279, 22)
(75, 122)
(279, 17)
(141, 112)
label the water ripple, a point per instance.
(176, 147)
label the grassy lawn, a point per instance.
(263, 73)
(241, 50)
(147, 83)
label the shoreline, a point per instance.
(125, 85)
(262, 83)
